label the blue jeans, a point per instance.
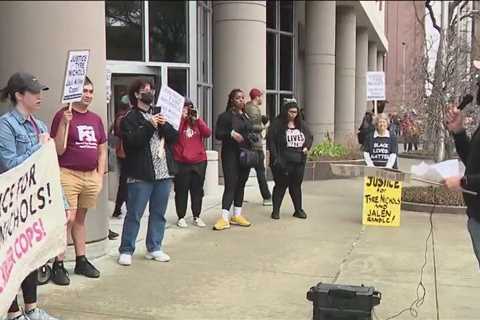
(139, 193)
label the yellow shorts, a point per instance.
(81, 188)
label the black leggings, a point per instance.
(190, 178)
(234, 177)
(292, 179)
(29, 290)
(122, 192)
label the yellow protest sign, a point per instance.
(382, 199)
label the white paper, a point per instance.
(375, 85)
(75, 73)
(172, 105)
(438, 171)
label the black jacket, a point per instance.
(229, 121)
(469, 152)
(136, 133)
(277, 141)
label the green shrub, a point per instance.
(328, 149)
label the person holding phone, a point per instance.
(148, 140)
(21, 135)
(189, 152)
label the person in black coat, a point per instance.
(469, 151)
(235, 130)
(288, 140)
(149, 166)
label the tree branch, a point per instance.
(432, 16)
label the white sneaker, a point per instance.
(267, 202)
(39, 314)
(181, 223)
(157, 256)
(124, 259)
(199, 222)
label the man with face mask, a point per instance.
(148, 141)
(82, 166)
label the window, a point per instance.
(168, 36)
(178, 80)
(204, 63)
(149, 31)
(124, 30)
(280, 54)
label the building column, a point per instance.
(239, 50)
(380, 61)
(345, 73)
(372, 56)
(361, 64)
(47, 62)
(320, 67)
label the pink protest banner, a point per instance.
(32, 220)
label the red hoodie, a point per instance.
(189, 148)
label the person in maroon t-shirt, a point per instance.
(82, 166)
(189, 152)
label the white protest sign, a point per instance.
(75, 73)
(375, 85)
(32, 220)
(172, 105)
(108, 85)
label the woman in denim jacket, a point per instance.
(21, 134)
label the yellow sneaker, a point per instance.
(221, 225)
(240, 221)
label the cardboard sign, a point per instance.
(375, 85)
(75, 73)
(171, 103)
(32, 220)
(382, 199)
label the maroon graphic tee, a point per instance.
(85, 134)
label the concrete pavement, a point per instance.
(264, 272)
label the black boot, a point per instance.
(60, 274)
(275, 215)
(300, 214)
(86, 268)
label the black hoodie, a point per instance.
(469, 152)
(286, 145)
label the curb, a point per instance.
(427, 208)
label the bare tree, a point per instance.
(449, 79)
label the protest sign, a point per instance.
(375, 85)
(32, 220)
(382, 198)
(108, 85)
(171, 103)
(75, 73)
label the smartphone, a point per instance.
(156, 110)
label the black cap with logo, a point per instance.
(22, 81)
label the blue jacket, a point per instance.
(18, 139)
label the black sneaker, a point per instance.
(60, 274)
(84, 267)
(300, 214)
(112, 235)
(275, 215)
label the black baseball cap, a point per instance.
(21, 81)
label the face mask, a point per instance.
(146, 97)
